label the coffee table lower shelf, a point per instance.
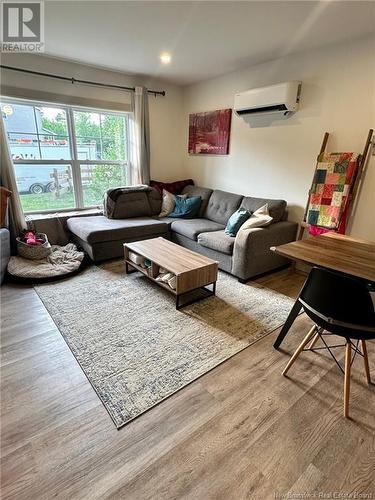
(131, 267)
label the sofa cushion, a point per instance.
(166, 220)
(276, 208)
(204, 193)
(221, 206)
(217, 240)
(98, 228)
(192, 227)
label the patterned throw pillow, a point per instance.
(260, 218)
(168, 204)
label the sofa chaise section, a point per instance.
(128, 216)
(103, 238)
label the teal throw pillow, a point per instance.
(236, 220)
(186, 208)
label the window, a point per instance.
(65, 157)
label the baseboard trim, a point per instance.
(243, 281)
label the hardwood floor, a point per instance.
(241, 431)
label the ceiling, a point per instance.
(205, 39)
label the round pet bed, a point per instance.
(62, 262)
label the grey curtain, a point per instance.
(141, 142)
(8, 179)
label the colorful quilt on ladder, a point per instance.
(334, 177)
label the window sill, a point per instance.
(63, 215)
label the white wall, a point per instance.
(278, 161)
(165, 112)
(275, 161)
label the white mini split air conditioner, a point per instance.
(282, 98)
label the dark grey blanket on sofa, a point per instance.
(112, 196)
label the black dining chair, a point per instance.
(338, 305)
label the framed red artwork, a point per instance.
(209, 132)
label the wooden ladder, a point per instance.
(355, 185)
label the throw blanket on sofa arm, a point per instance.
(112, 195)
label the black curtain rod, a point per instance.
(75, 80)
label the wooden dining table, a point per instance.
(345, 254)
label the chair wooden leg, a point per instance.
(365, 359)
(314, 340)
(348, 359)
(300, 348)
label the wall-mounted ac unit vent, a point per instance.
(282, 98)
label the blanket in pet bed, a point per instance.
(63, 261)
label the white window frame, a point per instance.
(75, 163)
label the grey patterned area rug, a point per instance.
(136, 349)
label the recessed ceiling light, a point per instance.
(165, 58)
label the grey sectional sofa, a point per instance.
(245, 256)
(4, 252)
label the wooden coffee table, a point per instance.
(192, 270)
